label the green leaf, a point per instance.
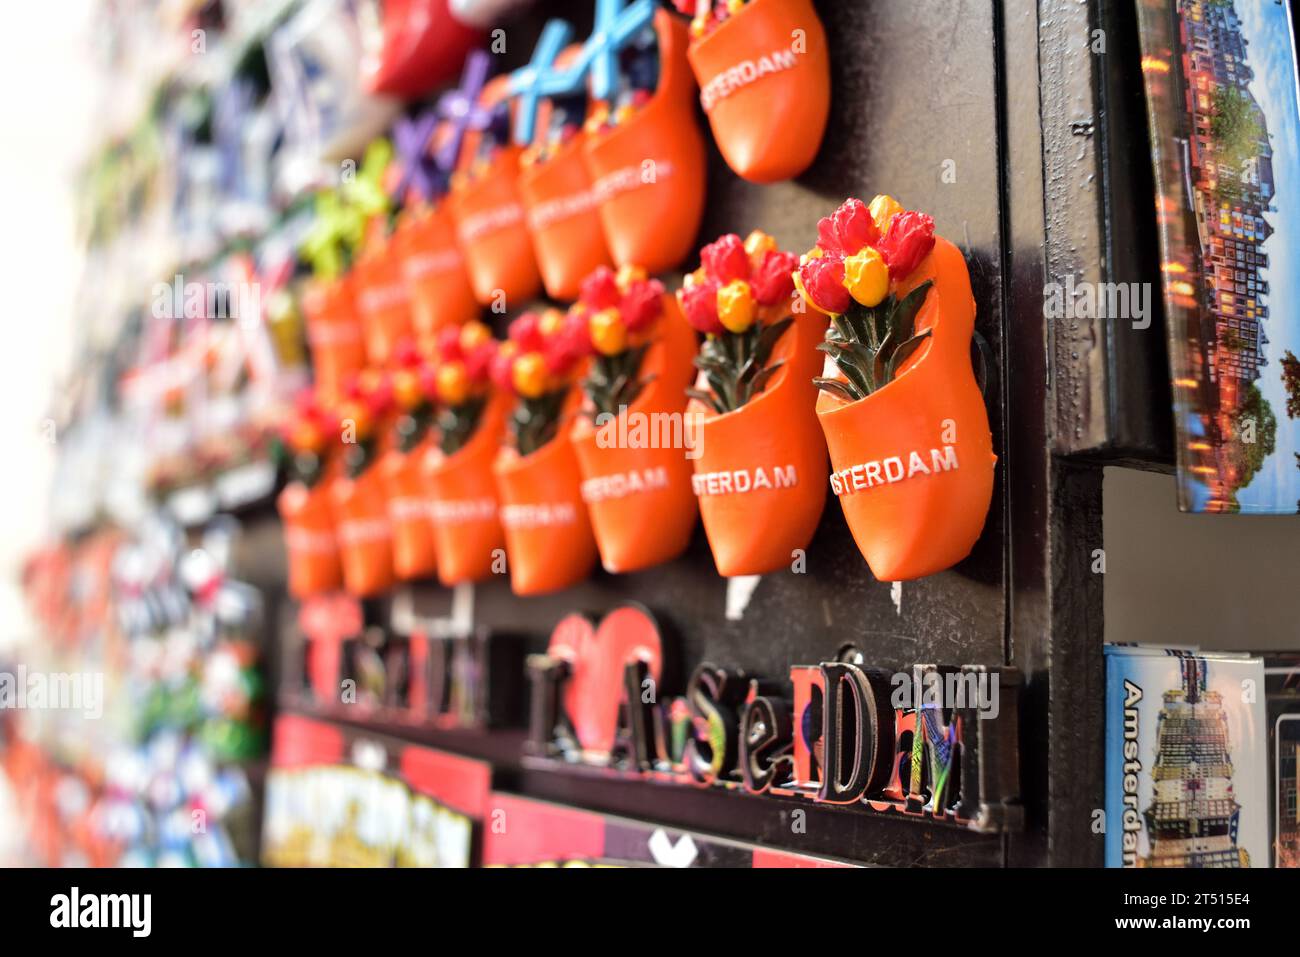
(852, 326)
(902, 353)
(535, 422)
(707, 398)
(613, 380)
(761, 380)
(769, 336)
(733, 363)
(722, 388)
(629, 394)
(837, 388)
(456, 424)
(854, 360)
(903, 316)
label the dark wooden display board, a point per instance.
(937, 103)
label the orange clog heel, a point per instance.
(766, 94)
(333, 334)
(365, 533)
(489, 215)
(466, 527)
(648, 172)
(760, 474)
(434, 271)
(549, 543)
(311, 548)
(638, 496)
(561, 205)
(414, 551)
(913, 462)
(383, 302)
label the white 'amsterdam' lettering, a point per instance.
(738, 77)
(896, 468)
(740, 481)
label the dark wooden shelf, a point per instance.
(859, 835)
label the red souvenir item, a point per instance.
(560, 201)
(765, 84)
(549, 543)
(911, 452)
(633, 446)
(646, 162)
(333, 334)
(420, 46)
(458, 468)
(598, 658)
(488, 210)
(759, 474)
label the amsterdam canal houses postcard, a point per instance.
(1220, 79)
(1186, 759)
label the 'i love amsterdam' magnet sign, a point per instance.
(934, 741)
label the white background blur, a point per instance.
(46, 97)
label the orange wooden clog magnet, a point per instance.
(410, 512)
(648, 170)
(561, 204)
(312, 550)
(911, 451)
(365, 533)
(760, 471)
(433, 268)
(760, 461)
(489, 211)
(913, 462)
(764, 78)
(636, 465)
(333, 334)
(549, 543)
(467, 530)
(383, 301)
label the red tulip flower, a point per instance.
(502, 371)
(479, 361)
(700, 306)
(449, 344)
(567, 345)
(641, 304)
(600, 289)
(725, 259)
(848, 229)
(773, 280)
(525, 333)
(909, 240)
(823, 281)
